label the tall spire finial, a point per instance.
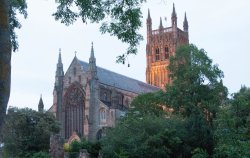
(174, 17)
(59, 69)
(161, 26)
(60, 58)
(92, 63)
(149, 21)
(185, 23)
(92, 51)
(149, 14)
(173, 13)
(40, 104)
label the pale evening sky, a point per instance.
(222, 28)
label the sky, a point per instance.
(222, 28)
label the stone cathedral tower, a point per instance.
(161, 44)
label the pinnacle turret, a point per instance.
(149, 17)
(174, 17)
(161, 26)
(59, 69)
(92, 55)
(59, 58)
(92, 62)
(174, 13)
(40, 105)
(185, 23)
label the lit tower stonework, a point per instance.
(161, 44)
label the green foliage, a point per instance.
(41, 154)
(199, 153)
(147, 137)
(27, 131)
(93, 148)
(196, 93)
(119, 18)
(147, 104)
(197, 84)
(232, 127)
(19, 6)
(75, 146)
(121, 154)
(146, 131)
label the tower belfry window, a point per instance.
(157, 54)
(166, 53)
(166, 49)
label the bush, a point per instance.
(75, 146)
(66, 147)
(41, 154)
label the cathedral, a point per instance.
(87, 98)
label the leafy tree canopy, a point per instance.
(196, 83)
(27, 131)
(16, 6)
(148, 131)
(232, 127)
(120, 18)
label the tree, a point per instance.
(8, 22)
(149, 137)
(196, 83)
(146, 132)
(232, 127)
(74, 148)
(196, 93)
(27, 132)
(41, 154)
(147, 104)
(119, 18)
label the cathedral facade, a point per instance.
(88, 98)
(161, 44)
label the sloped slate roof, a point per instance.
(120, 81)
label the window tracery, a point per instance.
(102, 115)
(73, 107)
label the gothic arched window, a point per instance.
(120, 99)
(73, 108)
(157, 54)
(102, 115)
(105, 97)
